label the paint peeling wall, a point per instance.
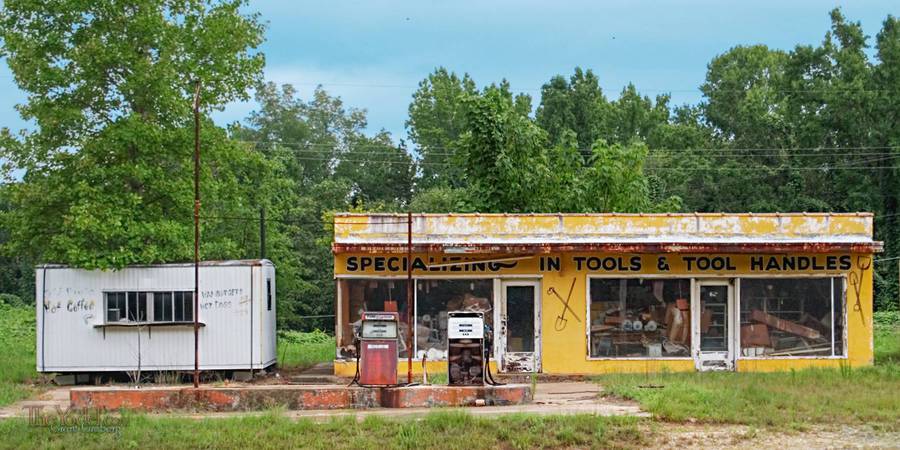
(560, 247)
(452, 229)
(239, 330)
(565, 351)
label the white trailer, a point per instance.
(141, 317)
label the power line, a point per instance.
(824, 167)
(710, 153)
(685, 149)
(540, 89)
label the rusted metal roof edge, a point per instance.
(208, 263)
(693, 214)
(669, 247)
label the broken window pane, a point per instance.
(434, 298)
(358, 296)
(791, 316)
(640, 317)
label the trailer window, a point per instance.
(162, 306)
(792, 317)
(115, 306)
(134, 306)
(268, 294)
(137, 306)
(639, 318)
(184, 306)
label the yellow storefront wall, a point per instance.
(565, 351)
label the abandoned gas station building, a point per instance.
(596, 293)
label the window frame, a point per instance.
(495, 278)
(844, 316)
(268, 294)
(587, 315)
(149, 304)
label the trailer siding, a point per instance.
(237, 333)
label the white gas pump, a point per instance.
(465, 348)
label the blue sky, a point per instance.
(374, 53)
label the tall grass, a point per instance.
(857, 396)
(17, 358)
(438, 430)
(845, 395)
(302, 350)
(887, 337)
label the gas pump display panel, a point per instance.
(379, 329)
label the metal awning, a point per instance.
(673, 247)
(530, 234)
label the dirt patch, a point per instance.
(740, 436)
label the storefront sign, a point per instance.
(625, 263)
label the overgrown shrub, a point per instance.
(12, 300)
(887, 318)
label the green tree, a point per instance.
(502, 155)
(437, 117)
(577, 105)
(107, 178)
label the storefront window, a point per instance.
(640, 317)
(358, 296)
(792, 317)
(434, 298)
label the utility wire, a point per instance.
(823, 167)
(532, 89)
(430, 148)
(722, 153)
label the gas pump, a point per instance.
(465, 348)
(378, 344)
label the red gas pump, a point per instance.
(378, 347)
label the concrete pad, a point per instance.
(51, 400)
(294, 397)
(241, 398)
(443, 396)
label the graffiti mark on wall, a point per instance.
(561, 320)
(79, 305)
(221, 299)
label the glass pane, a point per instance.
(188, 306)
(162, 306)
(179, 306)
(519, 318)
(838, 293)
(137, 306)
(358, 296)
(115, 306)
(435, 298)
(714, 318)
(639, 317)
(790, 316)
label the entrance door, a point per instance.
(520, 327)
(713, 308)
